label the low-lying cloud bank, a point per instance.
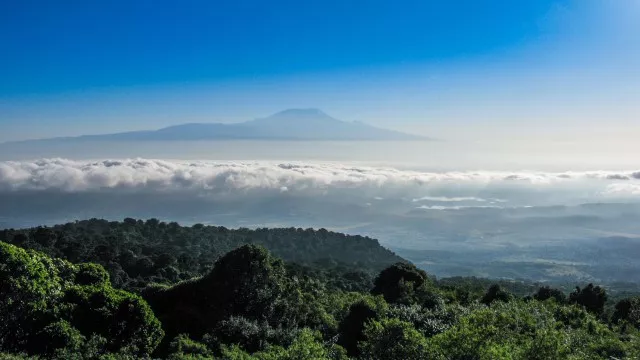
(303, 178)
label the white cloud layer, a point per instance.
(215, 177)
(458, 207)
(455, 199)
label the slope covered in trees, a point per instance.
(136, 253)
(250, 304)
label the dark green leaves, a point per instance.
(48, 306)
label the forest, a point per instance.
(136, 289)
(137, 253)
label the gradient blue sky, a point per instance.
(451, 69)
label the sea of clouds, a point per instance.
(487, 188)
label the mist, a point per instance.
(541, 225)
(442, 154)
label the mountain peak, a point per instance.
(298, 112)
(297, 117)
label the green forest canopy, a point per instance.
(136, 253)
(247, 303)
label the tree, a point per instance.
(249, 335)
(164, 260)
(628, 310)
(124, 319)
(307, 346)
(247, 281)
(143, 267)
(495, 293)
(502, 331)
(182, 347)
(49, 305)
(91, 274)
(29, 283)
(401, 283)
(352, 327)
(545, 293)
(56, 336)
(528, 331)
(391, 339)
(103, 253)
(45, 237)
(592, 298)
(428, 322)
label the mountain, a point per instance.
(292, 124)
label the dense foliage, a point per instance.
(251, 305)
(50, 306)
(136, 252)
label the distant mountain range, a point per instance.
(292, 124)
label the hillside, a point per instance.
(249, 306)
(137, 252)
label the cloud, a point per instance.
(441, 207)
(469, 207)
(630, 176)
(290, 179)
(623, 189)
(449, 199)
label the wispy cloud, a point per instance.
(623, 189)
(451, 199)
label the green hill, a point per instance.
(136, 252)
(249, 307)
(206, 292)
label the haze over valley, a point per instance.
(544, 226)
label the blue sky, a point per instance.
(443, 68)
